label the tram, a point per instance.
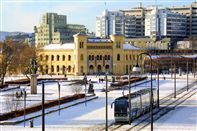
(140, 104)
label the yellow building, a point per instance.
(89, 56)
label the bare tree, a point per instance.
(13, 103)
(76, 89)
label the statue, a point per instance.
(33, 70)
(33, 66)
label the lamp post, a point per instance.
(25, 95)
(157, 87)
(174, 81)
(59, 96)
(85, 81)
(106, 104)
(129, 99)
(138, 69)
(187, 76)
(43, 115)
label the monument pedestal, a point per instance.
(33, 83)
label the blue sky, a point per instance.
(23, 15)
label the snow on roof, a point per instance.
(130, 47)
(190, 56)
(95, 40)
(66, 46)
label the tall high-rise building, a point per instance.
(191, 13)
(54, 29)
(115, 22)
(161, 23)
(139, 14)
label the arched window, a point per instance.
(69, 68)
(118, 57)
(52, 68)
(105, 57)
(58, 57)
(100, 57)
(81, 57)
(126, 57)
(52, 58)
(90, 57)
(69, 57)
(97, 57)
(41, 57)
(108, 57)
(63, 58)
(58, 68)
(81, 69)
(46, 70)
(47, 57)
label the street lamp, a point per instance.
(138, 69)
(85, 82)
(43, 115)
(106, 103)
(129, 99)
(187, 76)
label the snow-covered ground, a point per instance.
(81, 117)
(183, 118)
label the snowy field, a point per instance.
(84, 117)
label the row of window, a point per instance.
(99, 57)
(53, 57)
(58, 69)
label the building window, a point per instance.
(58, 57)
(126, 57)
(52, 58)
(69, 68)
(100, 57)
(58, 68)
(63, 58)
(118, 57)
(81, 57)
(81, 69)
(97, 57)
(108, 57)
(47, 57)
(41, 57)
(89, 57)
(69, 57)
(105, 57)
(52, 68)
(92, 57)
(81, 44)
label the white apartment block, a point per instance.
(115, 22)
(161, 23)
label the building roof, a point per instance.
(66, 46)
(130, 47)
(98, 40)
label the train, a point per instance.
(140, 104)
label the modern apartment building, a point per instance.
(115, 22)
(54, 29)
(161, 23)
(191, 13)
(139, 15)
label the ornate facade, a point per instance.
(89, 56)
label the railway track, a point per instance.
(166, 104)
